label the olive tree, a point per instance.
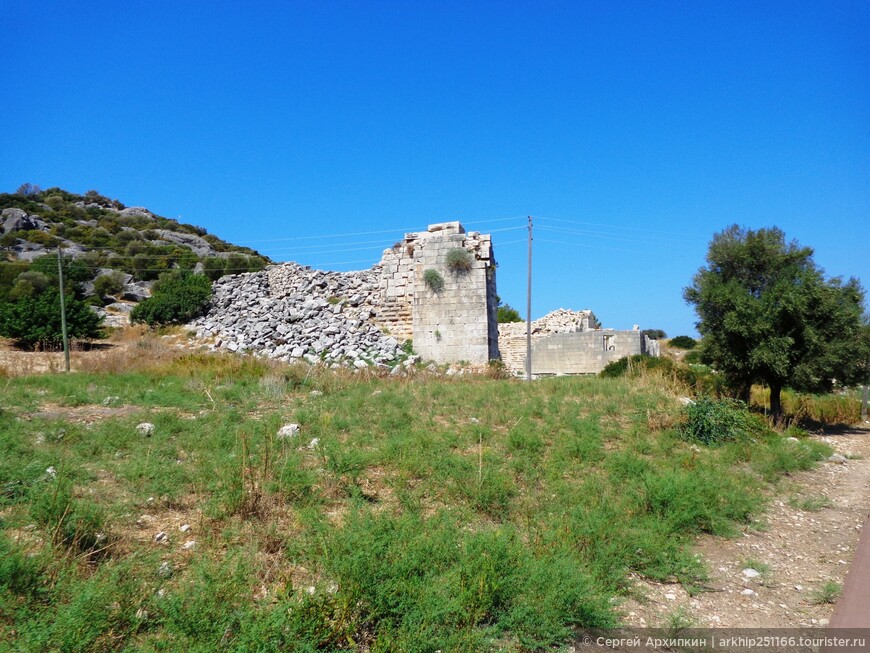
(768, 314)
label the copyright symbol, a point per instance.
(587, 640)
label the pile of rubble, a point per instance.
(566, 321)
(291, 312)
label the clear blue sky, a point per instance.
(632, 131)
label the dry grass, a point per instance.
(840, 408)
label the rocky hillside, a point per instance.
(106, 235)
(114, 252)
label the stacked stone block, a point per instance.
(456, 322)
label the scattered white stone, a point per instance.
(792, 439)
(799, 588)
(474, 420)
(824, 622)
(165, 570)
(146, 429)
(670, 596)
(838, 459)
(188, 545)
(311, 589)
(288, 431)
(750, 573)
(184, 528)
(686, 401)
(51, 472)
(314, 443)
(108, 401)
(315, 393)
(161, 538)
(141, 614)
(748, 592)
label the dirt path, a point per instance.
(806, 539)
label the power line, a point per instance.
(599, 224)
(609, 236)
(588, 246)
(381, 231)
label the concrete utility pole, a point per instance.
(529, 311)
(62, 310)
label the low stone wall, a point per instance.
(569, 342)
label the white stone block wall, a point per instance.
(457, 322)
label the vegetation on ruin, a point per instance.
(459, 259)
(433, 280)
(417, 514)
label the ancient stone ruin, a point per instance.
(569, 342)
(435, 288)
(291, 312)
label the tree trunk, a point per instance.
(776, 402)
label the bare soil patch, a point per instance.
(806, 538)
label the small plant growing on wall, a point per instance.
(433, 280)
(459, 259)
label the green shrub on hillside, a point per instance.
(698, 379)
(36, 319)
(178, 297)
(631, 365)
(683, 342)
(713, 421)
(97, 223)
(109, 284)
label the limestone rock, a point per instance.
(288, 431)
(146, 429)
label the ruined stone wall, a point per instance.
(569, 342)
(458, 321)
(585, 352)
(395, 283)
(291, 311)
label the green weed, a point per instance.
(810, 504)
(829, 592)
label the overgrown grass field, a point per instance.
(435, 513)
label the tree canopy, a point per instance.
(34, 318)
(768, 314)
(178, 297)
